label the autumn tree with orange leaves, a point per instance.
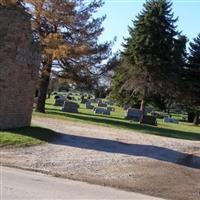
(68, 35)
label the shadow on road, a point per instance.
(111, 146)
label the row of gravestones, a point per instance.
(97, 100)
(68, 106)
(60, 100)
(166, 118)
(136, 115)
(103, 108)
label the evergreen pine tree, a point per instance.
(193, 78)
(153, 51)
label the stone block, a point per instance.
(170, 120)
(19, 64)
(84, 101)
(69, 106)
(59, 102)
(101, 111)
(134, 114)
(88, 105)
(150, 120)
(102, 104)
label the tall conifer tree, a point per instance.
(151, 52)
(193, 78)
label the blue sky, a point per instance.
(121, 12)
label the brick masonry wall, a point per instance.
(19, 60)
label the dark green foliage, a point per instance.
(194, 58)
(192, 78)
(153, 56)
(120, 92)
(100, 92)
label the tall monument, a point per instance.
(19, 62)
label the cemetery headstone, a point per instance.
(159, 115)
(150, 120)
(83, 100)
(59, 102)
(134, 114)
(91, 100)
(148, 109)
(102, 104)
(101, 111)
(69, 106)
(170, 120)
(88, 105)
(109, 102)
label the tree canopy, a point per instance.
(153, 54)
(68, 34)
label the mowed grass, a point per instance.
(27, 136)
(183, 130)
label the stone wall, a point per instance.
(19, 60)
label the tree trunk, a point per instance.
(196, 118)
(43, 88)
(191, 116)
(143, 104)
(48, 93)
(142, 108)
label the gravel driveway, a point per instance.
(148, 164)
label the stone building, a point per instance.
(19, 60)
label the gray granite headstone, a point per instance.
(150, 120)
(170, 120)
(88, 105)
(102, 104)
(101, 111)
(69, 106)
(59, 102)
(134, 114)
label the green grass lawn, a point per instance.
(26, 136)
(33, 135)
(182, 130)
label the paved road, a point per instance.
(20, 185)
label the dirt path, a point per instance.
(153, 165)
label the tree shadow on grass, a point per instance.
(48, 110)
(49, 104)
(129, 125)
(43, 134)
